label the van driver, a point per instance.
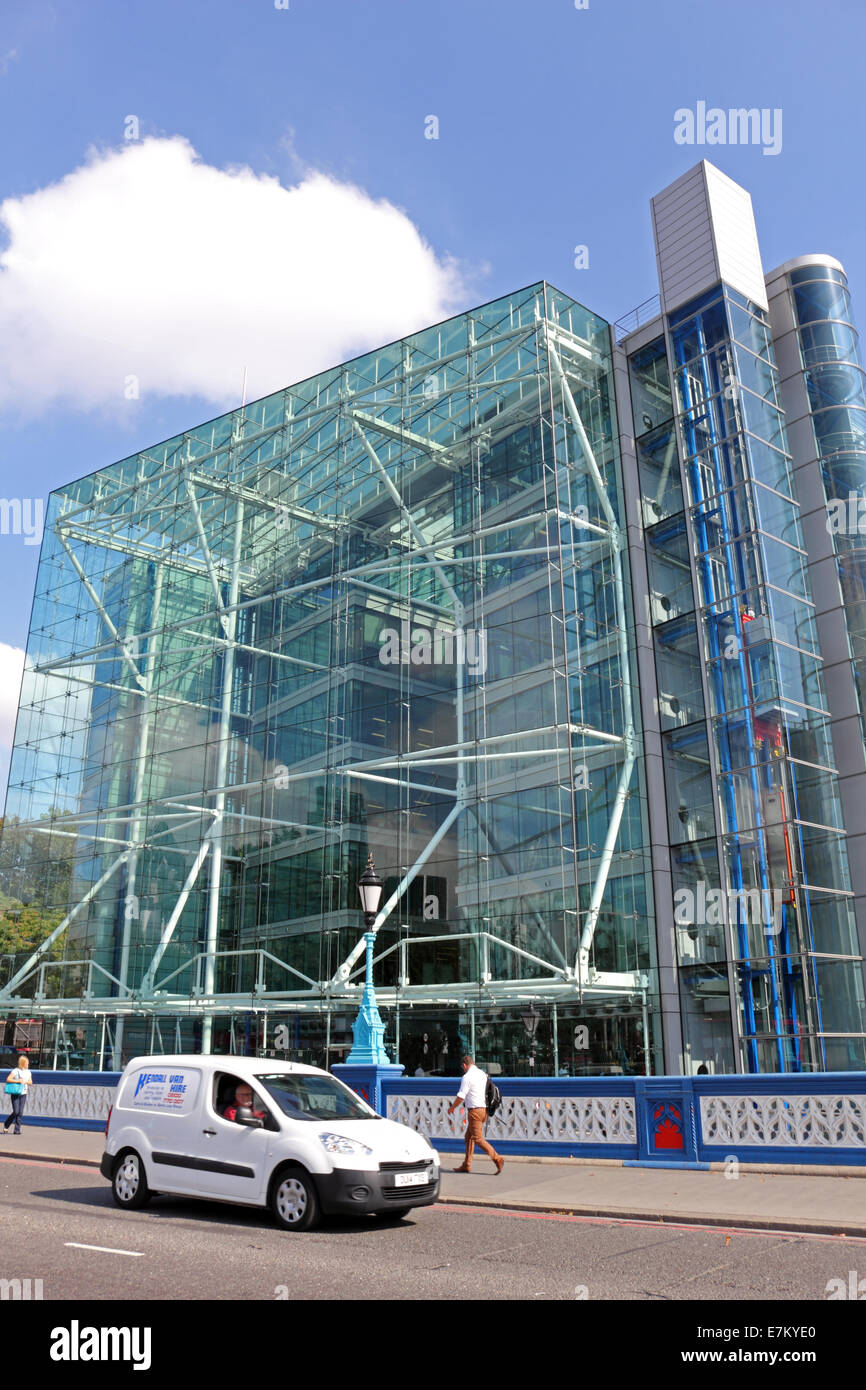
(243, 1098)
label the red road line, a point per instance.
(655, 1223)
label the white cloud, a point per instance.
(146, 262)
(11, 666)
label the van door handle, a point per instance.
(208, 1131)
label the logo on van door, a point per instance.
(164, 1090)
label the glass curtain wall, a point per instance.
(786, 902)
(382, 611)
(830, 350)
(705, 1003)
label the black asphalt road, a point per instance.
(179, 1249)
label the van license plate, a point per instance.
(411, 1179)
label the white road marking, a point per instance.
(104, 1249)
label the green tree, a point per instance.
(35, 878)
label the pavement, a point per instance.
(822, 1201)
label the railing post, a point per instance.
(664, 1113)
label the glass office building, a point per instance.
(387, 611)
(543, 613)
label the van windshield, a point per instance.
(315, 1097)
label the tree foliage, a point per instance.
(35, 878)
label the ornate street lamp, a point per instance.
(368, 1029)
(370, 889)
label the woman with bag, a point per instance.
(17, 1083)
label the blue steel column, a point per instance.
(724, 479)
(728, 542)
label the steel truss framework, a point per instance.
(219, 514)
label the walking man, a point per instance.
(473, 1094)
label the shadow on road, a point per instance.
(168, 1208)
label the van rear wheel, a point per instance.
(294, 1202)
(128, 1184)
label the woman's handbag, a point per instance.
(14, 1088)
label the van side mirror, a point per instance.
(245, 1116)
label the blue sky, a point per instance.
(160, 259)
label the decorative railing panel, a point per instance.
(552, 1119)
(70, 1100)
(802, 1121)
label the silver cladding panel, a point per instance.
(704, 230)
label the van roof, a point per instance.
(222, 1062)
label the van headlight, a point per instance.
(339, 1144)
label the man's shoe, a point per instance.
(461, 1169)
(500, 1164)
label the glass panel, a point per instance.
(777, 516)
(820, 299)
(840, 994)
(689, 788)
(650, 387)
(831, 923)
(770, 466)
(749, 329)
(706, 1017)
(824, 860)
(678, 672)
(659, 471)
(829, 342)
(815, 794)
(670, 578)
(793, 620)
(758, 374)
(784, 567)
(763, 419)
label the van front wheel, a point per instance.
(294, 1201)
(129, 1185)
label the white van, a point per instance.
(295, 1140)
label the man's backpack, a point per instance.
(492, 1098)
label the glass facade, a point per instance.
(762, 891)
(385, 610)
(836, 383)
